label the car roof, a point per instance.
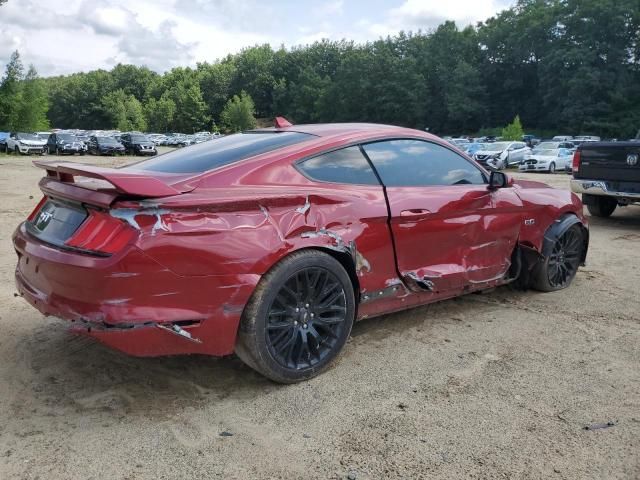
(349, 129)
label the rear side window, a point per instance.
(409, 163)
(346, 165)
(217, 153)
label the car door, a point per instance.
(516, 153)
(450, 231)
(565, 156)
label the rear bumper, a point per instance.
(603, 188)
(129, 301)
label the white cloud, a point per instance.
(328, 8)
(64, 36)
(428, 14)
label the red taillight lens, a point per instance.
(37, 209)
(576, 161)
(102, 233)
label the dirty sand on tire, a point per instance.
(499, 385)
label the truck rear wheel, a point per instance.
(602, 206)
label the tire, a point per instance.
(552, 167)
(16, 150)
(602, 206)
(289, 332)
(558, 270)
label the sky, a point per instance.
(66, 36)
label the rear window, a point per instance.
(218, 153)
(347, 165)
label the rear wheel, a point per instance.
(298, 319)
(558, 270)
(601, 206)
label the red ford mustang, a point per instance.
(271, 243)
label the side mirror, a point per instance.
(498, 180)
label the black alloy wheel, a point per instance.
(560, 267)
(306, 318)
(298, 318)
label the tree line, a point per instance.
(562, 65)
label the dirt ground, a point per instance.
(499, 385)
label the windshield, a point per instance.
(546, 152)
(498, 147)
(209, 155)
(139, 138)
(477, 146)
(28, 136)
(547, 145)
(106, 139)
(66, 137)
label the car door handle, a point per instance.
(415, 213)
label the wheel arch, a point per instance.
(343, 256)
(558, 228)
(346, 260)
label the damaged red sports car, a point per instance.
(272, 242)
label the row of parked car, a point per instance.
(531, 154)
(69, 142)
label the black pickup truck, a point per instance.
(607, 174)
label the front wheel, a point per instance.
(552, 167)
(298, 319)
(558, 270)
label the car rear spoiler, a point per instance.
(125, 182)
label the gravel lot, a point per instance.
(499, 385)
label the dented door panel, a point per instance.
(466, 238)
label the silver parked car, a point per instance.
(501, 155)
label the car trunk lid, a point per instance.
(75, 210)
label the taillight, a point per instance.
(576, 161)
(37, 209)
(101, 233)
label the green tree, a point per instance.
(514, 130)
(466, 99)
(191, 110)
(11, 93)
(254, 74)
(160, 113)
(34, 103)
(238, 113)
(215, 84)
(125, 110)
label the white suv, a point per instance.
(25, 143)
